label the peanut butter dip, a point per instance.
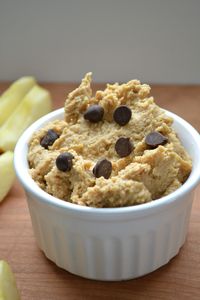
(114, 149)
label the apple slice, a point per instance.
(7, 173)
(8, 287)
(10, 99)
(34, 105)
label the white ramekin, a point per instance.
(110, 243)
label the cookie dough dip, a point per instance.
(116, 148)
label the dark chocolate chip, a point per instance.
(49, 138)
(122, 115)
(64, 161)
(103, 168)
(94, 113)
(123, 147)
(154, 139)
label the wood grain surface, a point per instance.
(40, 279)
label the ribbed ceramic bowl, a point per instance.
(110, 243)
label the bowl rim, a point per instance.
(22, 172)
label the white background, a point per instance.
(60, 40)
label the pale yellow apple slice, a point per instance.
(34, 105)
(10, 99)
(8, 287)
(7, 174)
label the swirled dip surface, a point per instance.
(109, 163)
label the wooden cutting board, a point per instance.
(40, 279)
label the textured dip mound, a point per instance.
(114, 149)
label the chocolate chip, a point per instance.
(123, 147)
(64, 161)
(94, 113)
(49, 138)
(122, 115)
(154, 139)
(102, 168)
